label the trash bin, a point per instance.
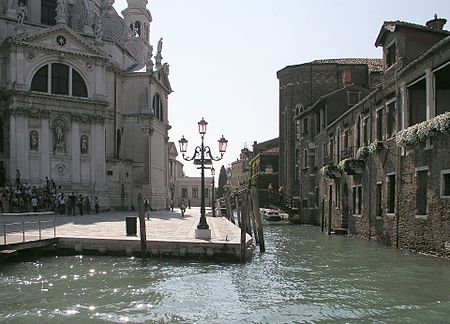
(131, 225)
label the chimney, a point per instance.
(436, 23)
(346, 77)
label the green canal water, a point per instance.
(304, 277)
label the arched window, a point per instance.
(78, 86)
(63, 80)
(137, 29)
(157, 107)
(40, 80)
(118, 143)
(60, 79)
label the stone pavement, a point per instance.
(162, 226)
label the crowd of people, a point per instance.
(22, 197)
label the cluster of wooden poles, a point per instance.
(245, 205)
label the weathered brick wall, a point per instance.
(427, 235)
(304, 84)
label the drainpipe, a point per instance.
(370, 200)
(116, 154)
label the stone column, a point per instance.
(44, 148)
(431, 109)
(98, 161)
(75, 142)
(404, 111)
(148, 134)
(22, 148)
(12, 148)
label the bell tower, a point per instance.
(137, 19)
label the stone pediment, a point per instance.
(60, 38)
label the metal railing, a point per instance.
(26, 228)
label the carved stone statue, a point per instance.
(84, 144)
(166, 68)
(60, 11)
(89, 12)
(160, 44)
(59, 143)
(149, 61)
(21, 13)
(34, 141)
(158, 57)
(98, 32)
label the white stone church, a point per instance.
(84, 100)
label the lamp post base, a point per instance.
(203, 234)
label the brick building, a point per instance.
(300, 86)
(381, 168)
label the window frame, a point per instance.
(379, 122)
(391, 122)
(443, 183)
(51, 78)
(391, 193)
(195, 192)
(379, 199)
(387, 62)
(419, 200)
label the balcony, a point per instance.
(349, 152)
(329, 159)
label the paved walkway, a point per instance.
(162, 225)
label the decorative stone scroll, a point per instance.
(113, 26)
(147, 131)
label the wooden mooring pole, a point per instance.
(330, 199)
(243, 224)
(259, 228)
(322, 220)
(142, 227)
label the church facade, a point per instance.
(83, 100)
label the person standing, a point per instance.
(147, 208)
(72, 204)
(80, 204)
(87, 205)
(182, 208)
(280, 193)
(34, 204)
(62, 203)
(96, 204)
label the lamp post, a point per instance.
(213, 205)
(198, 157)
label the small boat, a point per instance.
(272, 215)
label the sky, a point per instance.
(224, 55)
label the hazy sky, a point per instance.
(224, 56)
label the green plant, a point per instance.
(418, 133)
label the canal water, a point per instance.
(304, 277)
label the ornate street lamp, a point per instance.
(200, 152)
(213, 173)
